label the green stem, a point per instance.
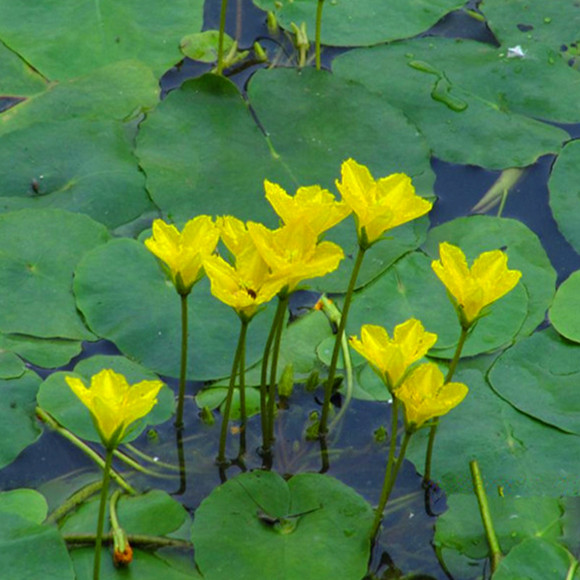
(135, 540)
(322, 428)
(132, 449)
(448, 377)
(51, 422)
(183, 365)
(494, 548)
(138, 467)
(243, 412)
(73, 501)
(264, 378)
(113, 509)
(102, 506)
(274, 365)
(221, 458)
(388, 484)
(318, 27)
(220, 57)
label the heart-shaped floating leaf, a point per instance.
(538, 559)
(93, 171)
(27, 548)
(515, 518)
(565, 192)
(530, 23)
(40, 250)
(364, 22)
(56, 397)
(539, 376)
(65, 39)
(436, 82)
(564, 313)
(126, 298)
(18, 425)
(477, 234)
(118, 91)
(258, 526)
(514, 450)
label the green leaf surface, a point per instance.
(540, 376)
(145, 566)
(522, 455)
(125, 297)
(564, 188)
(538, 559)
(514, 519)
(11, 366)
(93, 171)
(436, 82)
(39, 260)
(363, 22)
(17, 79)
(43, 352)
(255, 527)
(27, 503)
(214, 397)
(63, 39)
(154, 513)
(31, 550)
(477, 234)
(114, 92)
(531, 23)
(414, 291)
(56, 397)
(18, 425)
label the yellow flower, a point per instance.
(114, 404)
(312, 205)
(183, 253)
(474, 288)
(293, 253)
(390, 358)
(425, 395)
(248, 284)
(379, 205)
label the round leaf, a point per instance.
(126, 297)
(288, 529)
(40, 250)
(539, 376)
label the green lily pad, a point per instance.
(538, 559)
(288, 528)
(530, 23)
(57, 398)
(17, 79)
(215, 396)
(564, 188)
(31, 550)
(154, 513)
(11, 366)
(145, 566)
(410, 289)
(27, 503)
(436, 82)
(203, 46)
(514, 519)
(539, 376)
(39, 260)
(64, 40)
(125, 297)
(118, 91)
(364, 22)
(477, 234)
(43, 352)
(18, 425)
(93, 164)
(515, 451)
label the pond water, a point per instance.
(359, 461)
